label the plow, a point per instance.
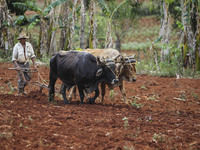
(41, 83)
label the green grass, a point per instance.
(136, 46)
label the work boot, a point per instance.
(19, 91)
(23, 92)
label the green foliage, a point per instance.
(136, 46)
(52, 5)
(33, 24)
(170, 68)
(169, 1)
(158, 137)
(126, 124)
(104, 7)
(135, 105)
(12, 88)
(29, 117)
(180, 25)
(6, 135)
(28, 5)
(21, 20)
(134, 102)
(196, 96)
(15, 9)
(150, 8)
(45, 60)
(31, 5)
(126, 9)
(22, 126)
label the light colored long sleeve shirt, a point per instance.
(18, 53)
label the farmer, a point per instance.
(22, 53)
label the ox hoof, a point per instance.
(91, 101)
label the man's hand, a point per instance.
(34, 65)
(18, 68)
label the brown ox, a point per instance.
(125, 68)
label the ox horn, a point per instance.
(115, 58)
(98, 61)
(101, 61)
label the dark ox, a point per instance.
(125, 67)
(81, 69)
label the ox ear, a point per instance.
(99, 72)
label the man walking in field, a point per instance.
(22, 53)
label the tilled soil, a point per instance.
(164, 113)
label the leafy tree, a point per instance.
(123, 17)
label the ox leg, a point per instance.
(63, 92)
(81, 93)
(92, 100)
(72, 92)
(53, 77)
(103, 91)
(122, 89)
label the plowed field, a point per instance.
(165, 114)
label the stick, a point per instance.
(24, 68)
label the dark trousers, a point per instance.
(23, 74)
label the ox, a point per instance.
(81, 69)
(125, 67)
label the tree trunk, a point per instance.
(92, 26)
(197, 56)
(118, 44)
(6, 38)
(43, 36)
(72, 24)
(109, 41)
(183, 12)
(165, 31)
(64, 20)
(82, 28)
(191, 40)
(53, 41)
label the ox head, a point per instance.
(126, 68)
(107, 70)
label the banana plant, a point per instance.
(43, 18)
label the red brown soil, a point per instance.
(165, 115)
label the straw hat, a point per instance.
(22, 36)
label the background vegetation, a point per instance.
(164, 34)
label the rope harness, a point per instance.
(127, 61)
